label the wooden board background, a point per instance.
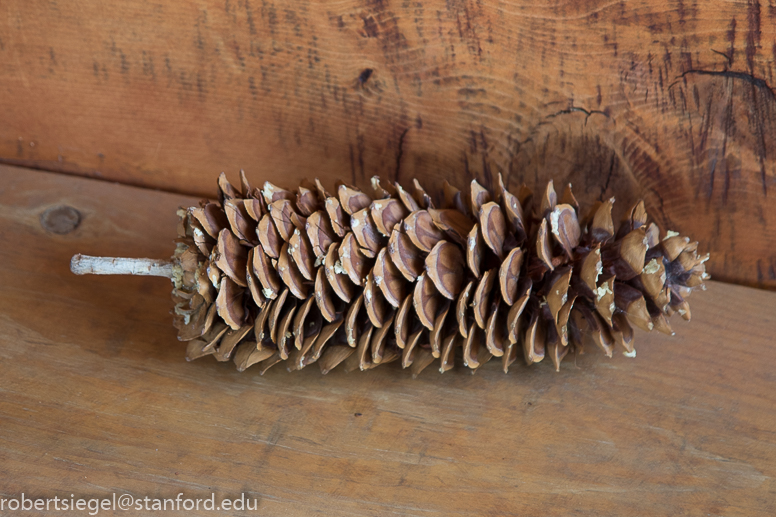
(96, 397)
(672, 101)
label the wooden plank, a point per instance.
(635, 99)
(95, 397)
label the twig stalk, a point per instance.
(86, 265)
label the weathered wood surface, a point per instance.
(95, 397)
(668, 100)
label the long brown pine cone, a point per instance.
(269, 276)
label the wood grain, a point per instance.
(95, 397)
(666, 100)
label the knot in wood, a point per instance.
(60, 219)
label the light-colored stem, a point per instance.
(86, 265)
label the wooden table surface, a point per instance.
(96, 398)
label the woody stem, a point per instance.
(86, 265)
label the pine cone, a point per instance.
(268, 276)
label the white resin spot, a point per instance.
(652, 267)
(555, 222)
(602, 291)
(268, 191)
